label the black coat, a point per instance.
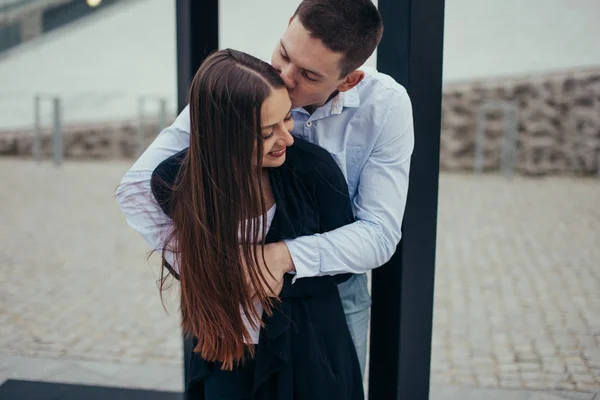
(305, 352)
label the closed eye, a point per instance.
(305, 74)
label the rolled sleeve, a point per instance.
(305, 255)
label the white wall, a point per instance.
(98, 65)
(495, 38)
(101, 64)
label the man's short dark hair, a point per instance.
(352, 27)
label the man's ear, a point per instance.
(351, 80)
(291, 19)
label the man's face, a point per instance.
(309, 69)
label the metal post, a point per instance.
(139, 133)
(57, 132)
(479, 139)
(509, 148)
(401, 317)
(598, 166)
(37, 139)
(162, 114)
(197, 36)
(509, 139)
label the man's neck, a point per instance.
(313, 108)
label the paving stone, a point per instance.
(532, 376)
(508, 368)
(554, 368)
(565, 386)
(529, 367)
(585, 387)
(19, 367)
(536, 385)
(574, 361)
(516, 285)
(553, 378)
(585, 379)
(574, 395)
(487, 381)
(465, 380)
(511, 383)
(578, 369)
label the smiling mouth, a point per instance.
(277, 153)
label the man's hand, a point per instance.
(276, 264)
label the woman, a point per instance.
(240, 174)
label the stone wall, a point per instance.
(84, 141)
(558, 127)
(558, 123)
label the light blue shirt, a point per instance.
(369, 132)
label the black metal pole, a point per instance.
(401, 318)
(197, 37)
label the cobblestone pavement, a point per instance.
(517, 301)
(75, 280)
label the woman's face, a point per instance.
(276, 123)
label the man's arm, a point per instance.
(134, 194)
(371, 240)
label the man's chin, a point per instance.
(299, 103)
(302, 105)
(295, 104)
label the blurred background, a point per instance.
(517, 293)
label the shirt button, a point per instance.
(309, 124)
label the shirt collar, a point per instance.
(349, 98)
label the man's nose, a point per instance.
(287, 74)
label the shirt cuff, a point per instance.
(305, 255)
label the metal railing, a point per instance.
(58, 105)
(509, 142)
(162, 118)
(598, 166)
(56, 129)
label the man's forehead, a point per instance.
(308, 52)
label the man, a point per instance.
(362, 117)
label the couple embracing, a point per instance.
(271, 195)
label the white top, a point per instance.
(254, 333)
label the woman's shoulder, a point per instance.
(164, 178)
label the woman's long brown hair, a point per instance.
(217, 194)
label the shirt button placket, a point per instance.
(307, 130)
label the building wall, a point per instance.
(525, 52)
(558, 123)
